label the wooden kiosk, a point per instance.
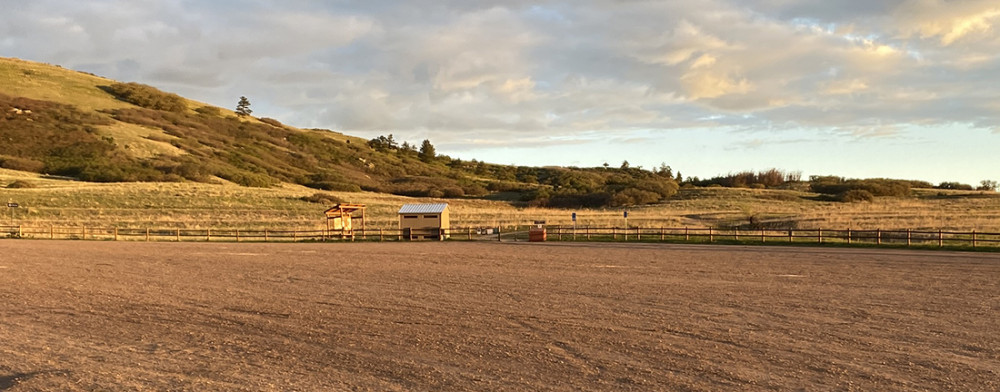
(342, 218)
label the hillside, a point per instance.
(67, 123)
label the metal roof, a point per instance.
(423, 208)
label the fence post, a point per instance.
(878, 236)
(661, 233)
(736, 233)
(178, 235)
(819, 234)
(763, 238)
(849, 239)
(907, 237)
(588, 232)
(687, 236)
(791, 235)
(469, 229)
(295, 236)
(711, 238)
(940, 238)
(116, 233)
(265, 235)
(52, 232)
(973, 238)
(208, 235)
(85, 232)
(147, 234)
(19, 232)
(614, 233)
(499, 235)
(237, 235)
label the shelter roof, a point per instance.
(345, 208)
(423, 208)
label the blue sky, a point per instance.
(895, 88)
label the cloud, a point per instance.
(500, 71)
(948, 22)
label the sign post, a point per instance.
(626, 219)
(12, 206)
(574, 226)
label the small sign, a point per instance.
(574, 217)
(12, 205)
(626, 214)
(539, 222)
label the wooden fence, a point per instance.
(939, 238)
(925, 238)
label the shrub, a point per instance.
(147, 96)
(856, 195)
(334, 186)
(321, 198)
(954, 185)
(876, 186)
(209, 111)
(20, 184)
(253, 180)
(272, 122)
(22, 164)
(453, 191)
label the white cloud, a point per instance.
(559, 68)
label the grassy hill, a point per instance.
(80, 149)
(67, 123)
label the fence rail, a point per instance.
(898, 237)
(926, 238)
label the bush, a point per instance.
(334, 186)
(20, 184)
(22, 164)
(856, 195)
(453, 192)
(253, 180)
(147, 96)
(321, 198)
(209, 111)
(876, 186)
(272, 122)
(955, 186)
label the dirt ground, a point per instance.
(116, 316)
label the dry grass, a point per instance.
(195, 205)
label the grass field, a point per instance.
(196, 205)
(113, 316)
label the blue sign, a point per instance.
(626, 214)
(574, 217)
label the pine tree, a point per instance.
(427, 152)
(243, 107)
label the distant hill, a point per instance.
(69, 123)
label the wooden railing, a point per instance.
(897, 237)
(240, 235)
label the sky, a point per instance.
(857, 88)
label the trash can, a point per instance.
(537, 232)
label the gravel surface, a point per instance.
(124, 316)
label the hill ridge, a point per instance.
(71, 123)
